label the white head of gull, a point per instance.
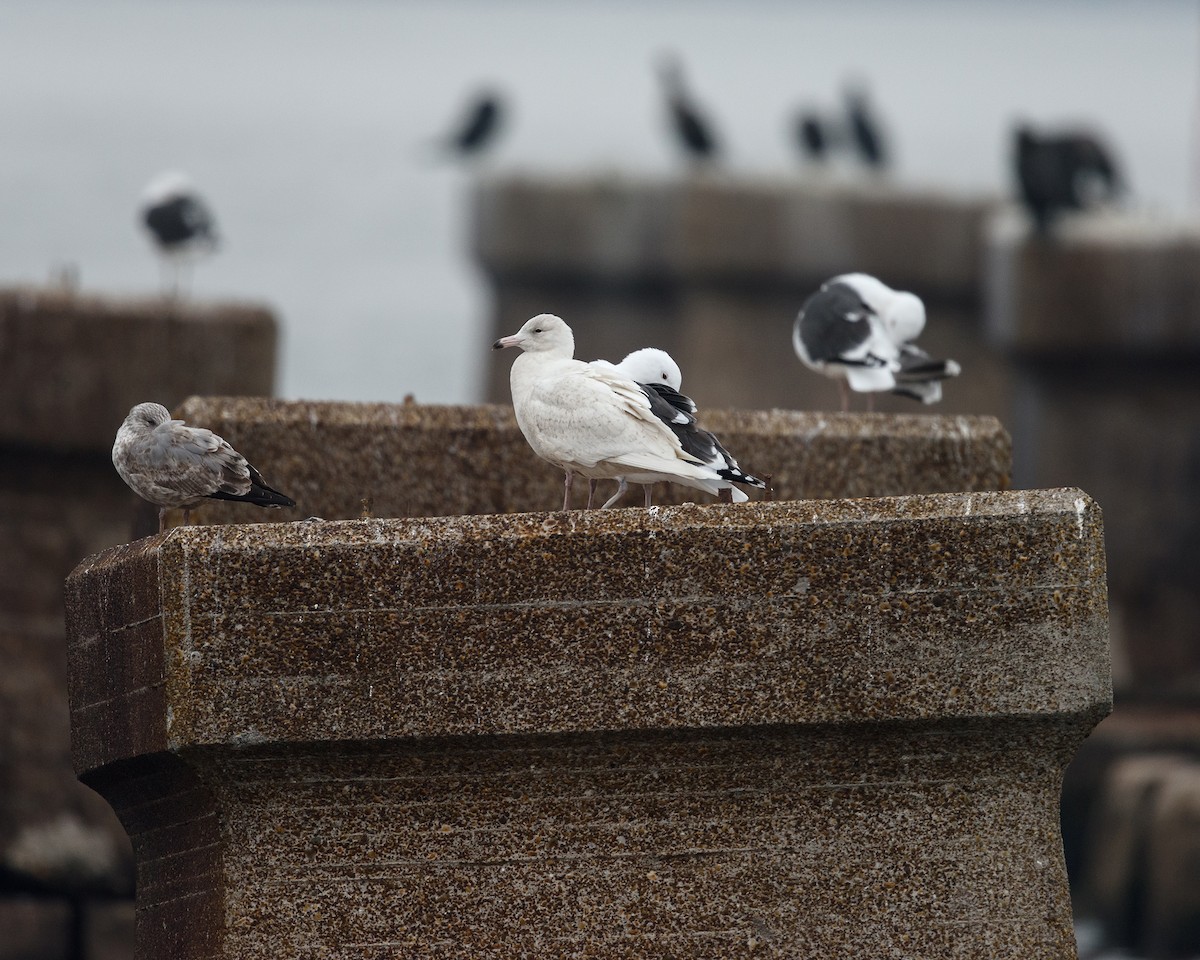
(591, 420)
(859, 331)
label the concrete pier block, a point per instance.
(415, 460)
(819, 728)
(714, 270)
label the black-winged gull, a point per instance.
(588, 419)
(861, 332)
(179, 221)
(171, 464)
(657, 372)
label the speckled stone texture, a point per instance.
(420, 460)
(822, 728)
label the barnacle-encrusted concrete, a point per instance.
(792, 729)
(420, 460)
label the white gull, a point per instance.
(591, 420)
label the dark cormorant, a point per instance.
(480, 125)
(1070, 170)
(865, 132)
(693, 132)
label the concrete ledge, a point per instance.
(415, 460)
(817, 728)
(71, 366)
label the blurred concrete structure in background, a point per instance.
(71, 366)
(824, 728)
(714, 271)
(1086, 345)
(1101, 327)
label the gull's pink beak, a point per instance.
(513, 341)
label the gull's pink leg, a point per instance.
(567, 490)
(649, 488)
(162, 519)
(591, 492)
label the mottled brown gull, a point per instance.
(171, 464)
(589, 419)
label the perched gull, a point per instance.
(479, 127)
(590, 420)
(692, 131)
(180, 223)
(657, 372)
(171, 464)
(1069, 170)
(861, 332)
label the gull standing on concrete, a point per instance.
(171, 464)
(657, 372)
(589, 419)
(181, 225)
(859, 331)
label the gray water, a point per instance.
(305, 124)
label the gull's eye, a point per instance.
(664, 376)
(537, 329)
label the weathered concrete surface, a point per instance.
(416, 460)
(822, 728)
(60, 355)
(714, 270)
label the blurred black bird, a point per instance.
(1068, 170)
(812, 135)
(866, 134)
(481, 123)
(181, 225)
(692, 131)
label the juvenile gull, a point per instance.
(861, 332)
(657, 372)
(171, 464)
(590, 420)
(180, 223)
